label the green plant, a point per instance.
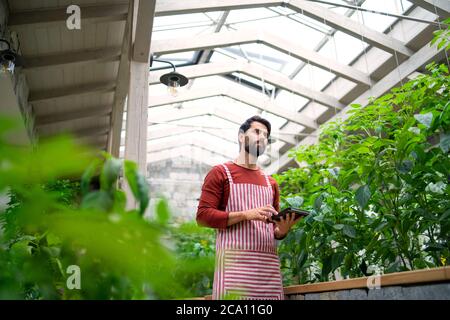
(52, 223)
(442, 36)
(196, 244)
(377, 184)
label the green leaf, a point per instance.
(334, 171)
(120, 201)
(162, 212)
(326, 267)
(138, 185)
(302, 258)
(88, 174)
(445, 142)
(318, 202)
(338, 226)
(362, 196)
(301, 239)
(405, 166)
(21, 249)
(414, 130)
(55, 157)
(318, 218)
(381, 226)
(336, 260)
(349, 231)
(97, 200)
(393, 267)
(424, 119)
(295, 202)
(110, 173)
(390, 217)
(434, 247)
(437, 187)
(363, 149)
(7, 124)
(445, 215)
(53, 239)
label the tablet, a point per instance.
(283, 213)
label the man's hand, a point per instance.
(283, 225)
(262, 213)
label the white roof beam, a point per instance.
(164, 116)
(200, 70)
(90, 88)
(121, 91)
(440, 8)
(314, 11)
(153, 134)
(73, 115)
(234, 91)
(186, 130)
(143, 33)
(137, 108)
(89, 14)
(168, 132)
(81, 132)
(177, 140)
(171, 7)
(351, 27)
(194, 142)
(205, 55)
(230, 38)
(74, 57)
(191, 152)
(254, 70)
(93, 141)
(167, 117)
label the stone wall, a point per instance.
(179, 180)
(435, 291)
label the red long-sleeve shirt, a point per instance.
(216, 190)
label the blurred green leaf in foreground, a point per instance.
(57, 217)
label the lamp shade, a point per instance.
(174, 79)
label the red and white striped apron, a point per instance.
(247, 263)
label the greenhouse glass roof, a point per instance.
(296, 63)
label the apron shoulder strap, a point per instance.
(267, 179)
(228, 173)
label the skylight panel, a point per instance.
(290, 101)
(314, 77)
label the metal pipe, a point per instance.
(379, 12)
(173, 66)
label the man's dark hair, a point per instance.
(247, 124)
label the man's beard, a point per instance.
(254, 150)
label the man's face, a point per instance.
(255, 139)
